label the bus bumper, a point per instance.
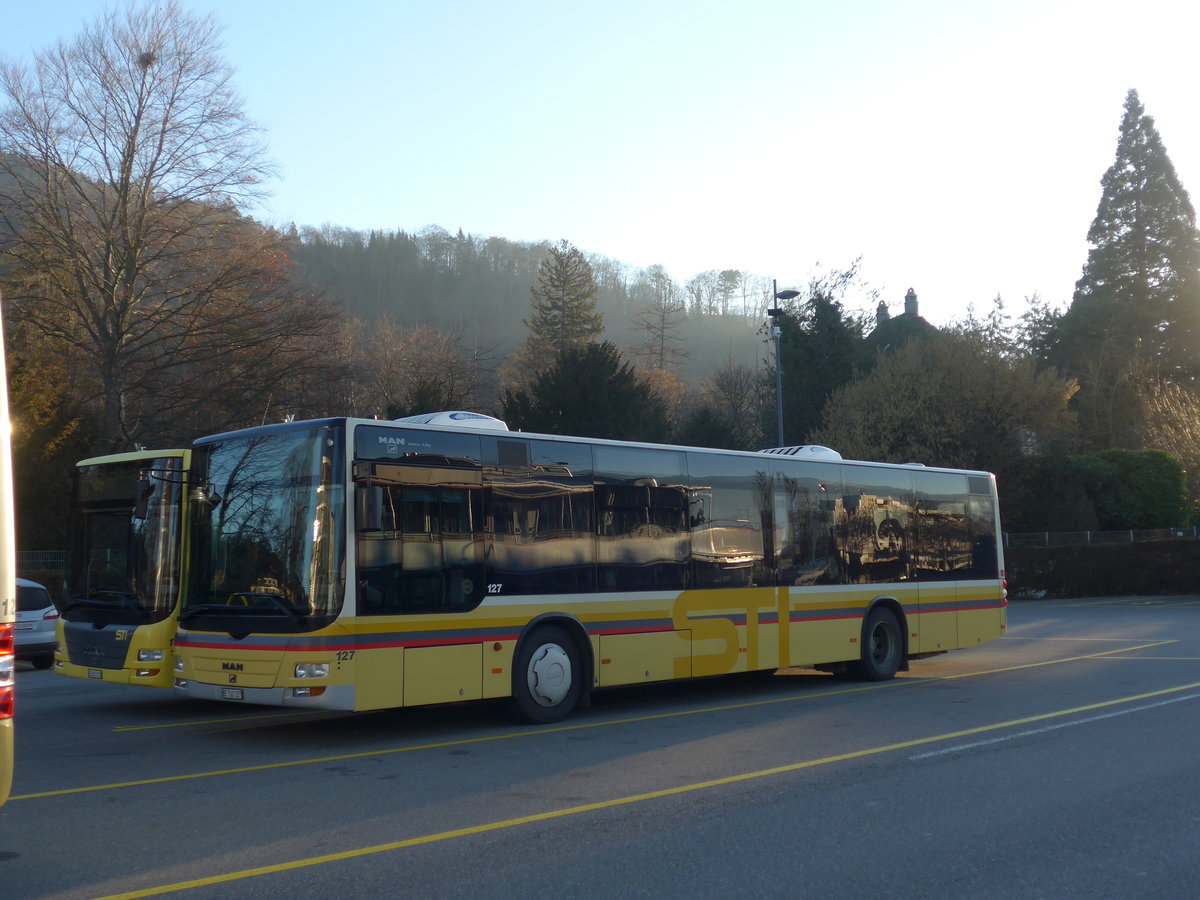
(336, 696)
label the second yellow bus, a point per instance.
(126, 568)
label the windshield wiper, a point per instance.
(198, 609)
(275, 604)
(276, 601)
(103, 600)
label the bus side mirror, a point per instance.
(204, 499)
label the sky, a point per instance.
(955, 148)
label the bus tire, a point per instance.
(547, 676)
(882, 647)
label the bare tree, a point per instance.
(950, 400)
(662, 310)
(712, 292)
(1170, 416)
(702, 292)
(406, 370)
(124, 156)
(733, 393)
(669, 390)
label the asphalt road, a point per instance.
(1059, 761)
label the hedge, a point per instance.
(1104, 570)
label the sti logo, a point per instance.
(122, 634)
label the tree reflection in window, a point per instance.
(273, 537)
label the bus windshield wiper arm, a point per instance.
(102, 600)
(198, 609)
(276, 601)
(228, 608)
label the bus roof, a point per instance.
(133, 456)
(349, 422)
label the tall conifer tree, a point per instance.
(1137, 303)
(564, 301)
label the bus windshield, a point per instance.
(124, 565)
(268, 532)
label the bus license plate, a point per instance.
(231, 693)
(95, 673)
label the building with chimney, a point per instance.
(891, 331)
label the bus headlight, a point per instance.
(179, 664)
(150, 656)
(312, 670)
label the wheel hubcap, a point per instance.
(549, 675)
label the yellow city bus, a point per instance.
(357, 564)
(126, 568)
(8, 586)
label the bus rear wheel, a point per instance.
(882, 647)
(547, 676)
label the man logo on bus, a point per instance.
(393, 445)
(231, 667)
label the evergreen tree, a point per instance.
(588, 392)
(564, 301)
(705, 426)
(1139, 296)
(822, 347)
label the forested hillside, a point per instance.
(478, 289)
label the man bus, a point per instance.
(125, 568)
(357, 564)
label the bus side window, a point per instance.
(419, 549)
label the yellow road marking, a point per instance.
(1045, 729)
(1080, 640)
(457, 742)
(298, 714)
(625, 801)
(510, 735)
(1173, 602)
(1055, 662)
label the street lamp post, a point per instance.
(775, 312)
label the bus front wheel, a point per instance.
(547, 676)
(882, 647)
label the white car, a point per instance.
(37, 618)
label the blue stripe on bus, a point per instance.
(444, 636)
